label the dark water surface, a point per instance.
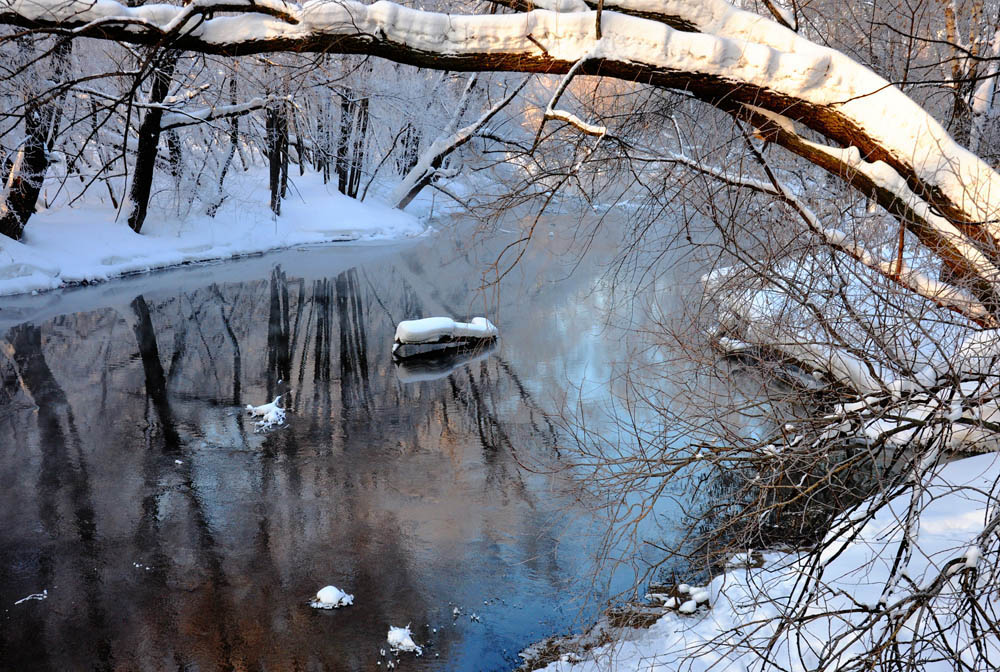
(169, 535)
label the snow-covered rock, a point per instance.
(264, 409)
(271, 414)
(331, 597)
(688, 607)
(442, 329)
(400, 639)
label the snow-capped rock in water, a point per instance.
(331, 597)
(271, 414)
(400, 640)
(442, 330)
(264, 409)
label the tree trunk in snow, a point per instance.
(344, 140)
(24, 181)
(351, 143)
(24, 176)
(410, 152)
(358, 148)
(234, 141)
(277, 154)
(149, 140)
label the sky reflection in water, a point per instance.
(170, 535)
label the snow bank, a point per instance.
(86, 244)
(857, 597)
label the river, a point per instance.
(168, 534)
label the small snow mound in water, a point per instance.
(331, 597)
(264, 409)
(271, 414)
(273, 418)
(400, 640)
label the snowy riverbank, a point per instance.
(804, 617)
(66, 246)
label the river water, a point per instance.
(168, 534)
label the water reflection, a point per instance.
(169, 535)
(440, 362)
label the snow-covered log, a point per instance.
(442, 330)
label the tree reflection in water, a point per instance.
(170, 535)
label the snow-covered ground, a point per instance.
(951, 521)
(66, 245)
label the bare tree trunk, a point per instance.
(283, 148)
(358, 148)
(300, 147)
(24, 181)
(149, 140)
(175, 153)
(410, 153)
(234, 141)
(278, 172)
(343, 142)
(321, 155)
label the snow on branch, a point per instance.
(940, 293)
(180, 117)
(451, 139)
(956, 246)
(551, 113)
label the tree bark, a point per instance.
(149, 140)
(358, 148)
(344, 141)
(277, 154)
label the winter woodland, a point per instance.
(830, 165)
